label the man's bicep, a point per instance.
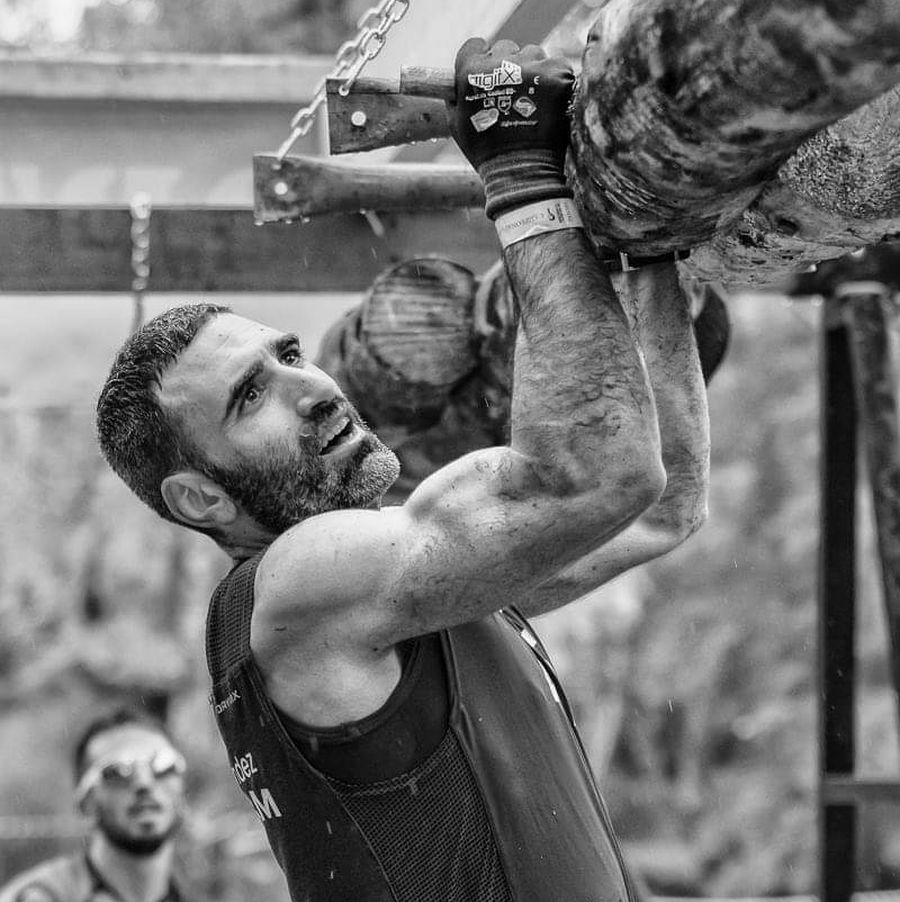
(389, 571)
(478, 534)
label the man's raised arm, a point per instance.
(584, 457)
(660, 314)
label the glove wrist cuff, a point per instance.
(521, 177)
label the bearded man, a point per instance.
(386, 707)
(130, 788)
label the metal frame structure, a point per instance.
(859, 410)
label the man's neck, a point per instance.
(244, 539)
(247, 538)
(134, 878)
(240, 551)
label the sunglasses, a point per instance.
(118, 773)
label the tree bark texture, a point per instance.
(685, 111)
(839, 192)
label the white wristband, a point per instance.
(535, 219)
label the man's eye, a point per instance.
(251, 395)
(291, 356)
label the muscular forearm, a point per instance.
(581, 400)
(660, 314)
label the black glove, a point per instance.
(510, 121)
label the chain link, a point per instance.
(349, 61)
(140, 254)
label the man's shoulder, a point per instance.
(60, 879)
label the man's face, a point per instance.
(270, 428)
(133, 788)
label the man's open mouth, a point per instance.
(336, 435)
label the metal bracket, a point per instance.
(301, 187)
(376, 113)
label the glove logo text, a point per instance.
(506, 73)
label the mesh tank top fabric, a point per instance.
(429, 830)
(228, 623)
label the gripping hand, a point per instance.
(510, 121)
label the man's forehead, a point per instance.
(205, 368)
(127, 741)
(225, 333)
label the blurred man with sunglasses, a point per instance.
(130, 787)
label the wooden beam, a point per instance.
(298, 187)
(376, 113)
(89, 250)
(837, 608)
(879, 263)
(852, 790)
(183, 77)
(871, 322)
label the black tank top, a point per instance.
(398, 737)
(503, 809)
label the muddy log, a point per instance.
(684, 111)
(840, 191)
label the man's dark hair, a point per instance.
(138, 439)
(112, 720)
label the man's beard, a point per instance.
(293, 482)
(135, 844)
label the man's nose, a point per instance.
(142, 778)
(317, 391)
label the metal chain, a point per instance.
(140, 255)
(349, 61)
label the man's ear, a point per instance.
(86, 804)
(197, 501)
